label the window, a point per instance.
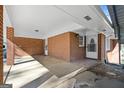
(81, 41)
(92, 46)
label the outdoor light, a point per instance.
(77, 35)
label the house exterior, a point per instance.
(66, 32)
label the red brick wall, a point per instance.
(76, 52)
(10, 46)
(28, 46)
(1, 44)
(65, 46)
(59, 46)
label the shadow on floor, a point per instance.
(37, 82)
(24, 62)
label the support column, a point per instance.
(1, 44)
(101, 47)
(10, 46)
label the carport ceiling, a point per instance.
(42, 21)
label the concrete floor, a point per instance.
(32, 72)
(27, 72)
(89, 79)
(45, 71)
(60, 67)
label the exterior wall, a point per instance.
(65, 46)
(10, 46)
(28, 46)
(113, 54)
(1, 44)
(59, 46)
(76, 52)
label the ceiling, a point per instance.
(52, 20)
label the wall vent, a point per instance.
(36, 30)
(88, 18)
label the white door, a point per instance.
(92, 46)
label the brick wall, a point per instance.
(59, 46)
(10, 46)
(101, 46)
(1, 44)
(76, 52)
(28, 46)
(65, 46)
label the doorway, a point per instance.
(91, 46)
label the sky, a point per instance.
(106, 12)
